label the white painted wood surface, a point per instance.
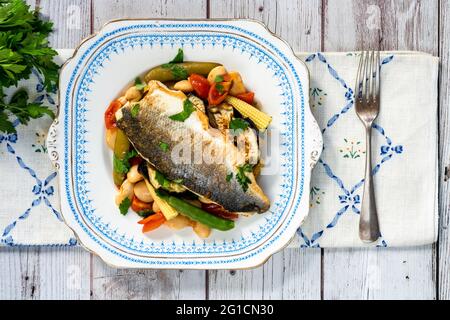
(294, 273)
(421, 273)
(444, 154)
(380, 273)
(109, 283)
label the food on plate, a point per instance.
(185, 147)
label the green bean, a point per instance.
(196, 213)
(121, 148)
(179, 71)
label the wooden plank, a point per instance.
(128, 284)
(383, 24)
(71, 20)
(444, 154)
(292, 273)
(19, 273)
(383, 273)
(105, 10)
(64, 273)
(50, 273)
(298, 22)
(379, 273)
(44, 273)
(110, 283)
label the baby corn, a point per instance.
(259, 118)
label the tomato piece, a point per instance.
(152, 222)
(138, 205)
(219, 211)
(247, 97)
(156, 215)
(152, 225)
(110, 114)
(200, 85)
(218, 92)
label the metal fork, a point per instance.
(367, 106)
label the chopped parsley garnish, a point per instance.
(219, 88)
(163, 146)
(124, 206)
(229, 176)
(179, 57)
(218, 79)
(165, 183)
(123, 165)
(242, 178)
(188, 108)
(178, 72)
(135, 110)
(139, 84)
(238, 123)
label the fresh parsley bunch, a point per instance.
(23, 46)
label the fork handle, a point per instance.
(369, 230)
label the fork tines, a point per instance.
(368, 77)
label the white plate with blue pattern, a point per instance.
(105, 64)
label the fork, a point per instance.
(367, 106)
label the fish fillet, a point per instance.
(194, 153)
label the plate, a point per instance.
(105, 64)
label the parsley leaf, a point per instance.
(218, 79)
(163, 146)
(229, 176)
(219, 88)
(238, 123)
(120, 166)
(123, 165)
(135, 110)
(165, 183)
(242, 178)
(23, 47)
(5, 124)
(124, 206)
(139, 84)
(188, 108)
(178, 71)
(179, 57)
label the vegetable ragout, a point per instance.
(200, 98)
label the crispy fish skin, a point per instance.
(152, 126)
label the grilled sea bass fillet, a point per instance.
(149, 127)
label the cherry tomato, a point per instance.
(247, 97)
(138, 205)
(218, 92)
(219, 211)
(152, 222)
(110, 114)
(200, 85)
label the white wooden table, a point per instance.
(308, 25)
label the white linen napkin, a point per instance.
(405, 154)
(30, 211)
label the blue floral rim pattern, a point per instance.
(181, 40)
